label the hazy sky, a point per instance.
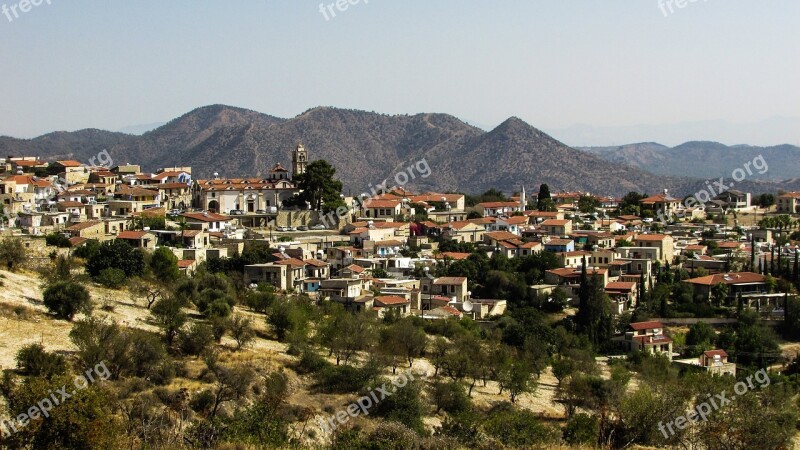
(110, 64)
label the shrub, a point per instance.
(118, 254)
(582, 429)
(34, 361)
(12, 253)
(516, 428)
(57, 240)
(202, 402)
(196, 339)
(451, 397)
(404, 406)
(112, 278)
(65, 299)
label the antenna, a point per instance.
(467, 306)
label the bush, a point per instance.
(202, 402)
(582, 429)
(196, 339)
(57, 240)
(34, 361)
(12, 253)
(404, 406)
(451, 397)
(346, 379)
(310, 362)
(118, 254)
(516, 428)
(112, 278)
(65, 299)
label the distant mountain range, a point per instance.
(775, 130)
(704, 159)
(367, 148)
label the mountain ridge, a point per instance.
(365, 147)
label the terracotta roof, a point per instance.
(69, 163)
(516, 220)
(70, 204)
(315, 262)
(450, 280)
(133, 235)
(660, 198)
(185, 263)
(381, 203)
(492, 205)
(391, 300)
(449, 309)
(558, 242)
(651, 237)
(354, 268)
(453, 255)
(713, 353)
(620, 286)
(135, 191)
(291, 262)
(190, 233)
(76, 241)
(501, 235)
(639, 326)
(728, 278)
(555, 223)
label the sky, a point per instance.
(565, 66)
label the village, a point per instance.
(382, 258)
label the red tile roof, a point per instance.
(638, 326)
(728, 278)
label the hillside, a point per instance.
(368, 147)
(700, 159)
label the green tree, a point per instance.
(66, 298)
(164, 265)
(170, 317)
(12, 253)
(117, 254)
(34, 361)
(543, 200)
(319, 187)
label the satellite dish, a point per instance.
(467, 306)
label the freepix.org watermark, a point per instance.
(420, 168)
(668, 7)
(57, 397)
(715, 188)
(373, 397)
(714, 403)
(102, 159)
(22, 7)
(329, 11)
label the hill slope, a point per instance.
(700, 159)
(366, 148)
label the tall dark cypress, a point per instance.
(752, 253)
(796, 272)
(772, 260)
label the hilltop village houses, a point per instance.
(382, 255)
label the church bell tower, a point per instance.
(299, 160)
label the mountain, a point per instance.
(705, 159)
(764, 132)
(366, 148)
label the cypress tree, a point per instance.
(752, 253)
(796, 272)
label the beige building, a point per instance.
(663, 242)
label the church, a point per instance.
(251, 195)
